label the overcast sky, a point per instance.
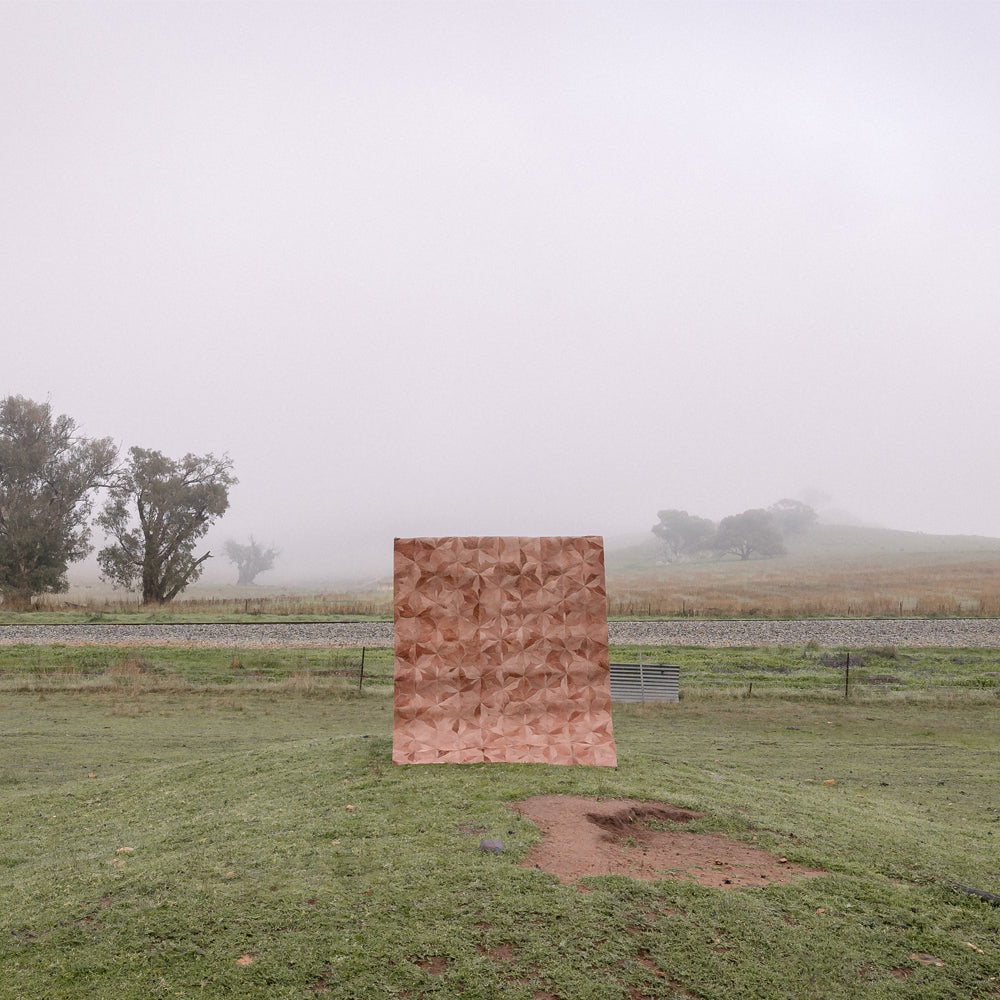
(432, 268)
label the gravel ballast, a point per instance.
(680, 632)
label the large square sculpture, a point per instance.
(501, 651)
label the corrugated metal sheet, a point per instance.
(645, 682)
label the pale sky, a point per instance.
(432, 268)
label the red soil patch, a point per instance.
(585, 836)
(500, 953)
(433, 964)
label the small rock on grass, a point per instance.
(490, 845)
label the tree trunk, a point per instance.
(152, 592)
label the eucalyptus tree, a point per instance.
(793, 516)
(683, 534)
(752, 533)
(250, 560)
(158, 510)
(48, 476)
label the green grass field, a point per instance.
(171, 668)
(874, 672)
(177, 837)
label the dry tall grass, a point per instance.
(832, 570)
(931, 585)
(215, 605)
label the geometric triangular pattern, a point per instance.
(501, 651)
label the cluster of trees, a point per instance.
(156, 509)
(757, 533)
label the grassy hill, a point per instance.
(225, 841)
(827, 570)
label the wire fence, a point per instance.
(152, 668)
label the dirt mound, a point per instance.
(632, 819)
(585, 836)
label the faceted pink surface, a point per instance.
(501, 651)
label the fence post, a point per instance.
(642, 680)
(847, 676)
(361, 674)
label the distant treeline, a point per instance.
(759, 532)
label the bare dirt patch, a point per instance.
(586, 836)
(435, 965)
(499, 953)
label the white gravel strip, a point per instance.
(824, 631)
(676, 632)
(243, 636)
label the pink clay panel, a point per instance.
(501, 651)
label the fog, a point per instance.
(513, 268)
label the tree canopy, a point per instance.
(792, 516)
(683, 534)
(753, 532)
(48, 475)
(158, 510)
(250, 560)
